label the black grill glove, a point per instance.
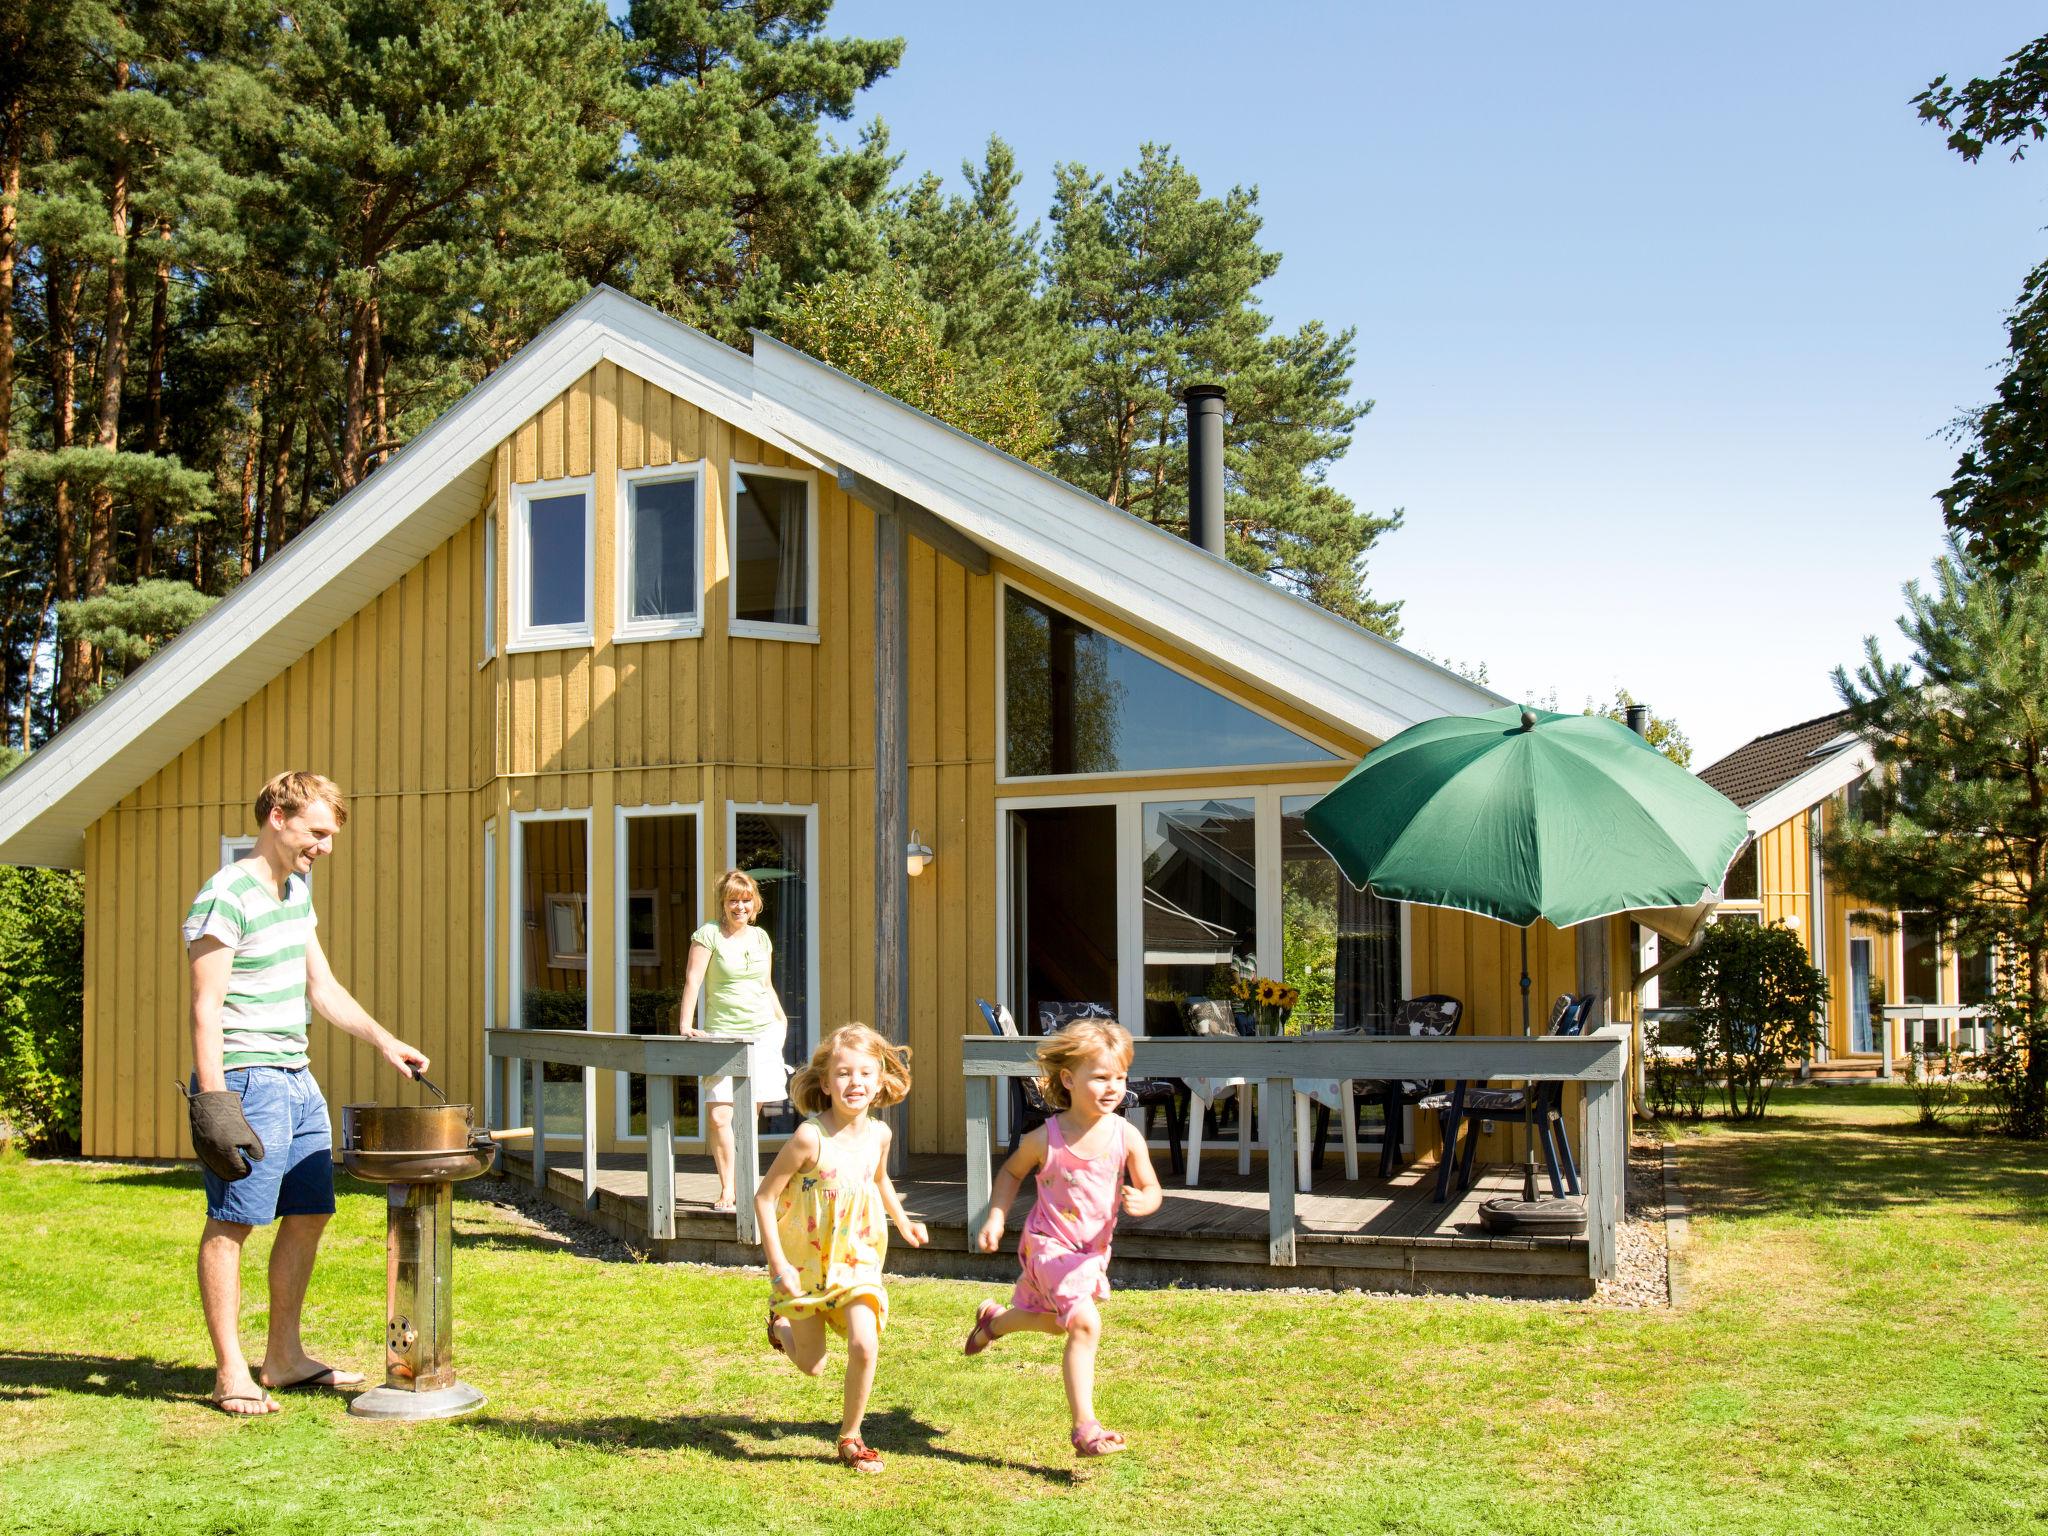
(221, 1133)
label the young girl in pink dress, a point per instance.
(1081, 1156)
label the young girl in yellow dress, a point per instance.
(821, 1209)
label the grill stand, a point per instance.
(419, 1361)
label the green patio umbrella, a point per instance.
(1520, 814)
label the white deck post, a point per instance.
(1606, 1174)
(980, 1092)
(589, 1139)
(537, 1080)
(1279, 1092)
(661, 1156)
(746, 1152)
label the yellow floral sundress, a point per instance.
(835, 1233)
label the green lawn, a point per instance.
(1863, 1353)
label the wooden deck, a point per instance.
(1366, 1234)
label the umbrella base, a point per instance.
(1533, 1218)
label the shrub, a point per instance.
(1761, 1008)
(1675, 1076)
(42, 1005)
(1940, 1085)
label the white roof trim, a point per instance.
(1810, 788)
(413, 504)
(1269, 638)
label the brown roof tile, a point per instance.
(1753, 770)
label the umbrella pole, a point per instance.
(1528, 1091)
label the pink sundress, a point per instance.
(1065, 1246)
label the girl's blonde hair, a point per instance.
(1075, 1044)
(807, 1088)
(738, 880)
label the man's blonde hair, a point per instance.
(290, 793)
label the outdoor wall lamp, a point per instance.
(917, 855)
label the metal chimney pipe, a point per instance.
(1639, 719)
(1205, 465)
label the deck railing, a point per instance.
(1598, 1061)
(661, 1059)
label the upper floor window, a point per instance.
(1077, 701)
(551, 597)
(659, 590)
(774, 553)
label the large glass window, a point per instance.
(553, 879)
(774, 847)
(1920, 954)
(658, 555)
(1339, 947)
(1976, 978)
(1063, 922)
(1201, 897)
(772, 550)
(659, 858)
(1741, 883)
(1077, 701)
(551, 590)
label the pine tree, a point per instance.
(1158, 284)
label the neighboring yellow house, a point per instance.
(624, 617)
(1794, 783)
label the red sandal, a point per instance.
(854, 1453)
(774, 1341)
(982, 1334)
(1091, 1439)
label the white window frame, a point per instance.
(622, 1092)
(627, 629)
(550, 637)
(734, 809)
(233, 849)
(490, 1020)
(490, 593)
(1342, 757)
(515, 921)
(757, 629)
(1130, 888)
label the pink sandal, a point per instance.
(982, 1334)
(1091, 1439)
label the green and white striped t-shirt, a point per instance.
(263, 1019)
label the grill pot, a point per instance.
(413, 1143)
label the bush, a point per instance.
(42, 1005)
(1940, 1084)
(543, 1008)
(2012, 1108)
(1675, 1076)
(1761, 1008)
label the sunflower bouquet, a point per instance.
(1270, 1001)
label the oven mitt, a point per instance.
(221, 1133)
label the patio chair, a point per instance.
(1152, 1094)
(1028, 1109)
(1433, 1014)
(1468, 1103)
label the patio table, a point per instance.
(1332, 1092)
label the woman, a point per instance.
(730, 963)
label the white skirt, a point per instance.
(765, 1069)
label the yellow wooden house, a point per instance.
(1794, 784)
(641, 607)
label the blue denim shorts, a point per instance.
(296, 1177)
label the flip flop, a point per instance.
(723, 1208)
(981, 1335)
(1091, 1439)
(220, 1405)
(326, 1379)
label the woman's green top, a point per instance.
(739, 998)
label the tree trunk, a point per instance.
(305, 511)
(280, 487)
(28, 684)
(250, 453)
(10, 197)
(73, 658)
(99, 549)
(153, 395)
(376, 367)
(2037, 1037)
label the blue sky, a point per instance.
(1663, 309)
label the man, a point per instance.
(256, 965)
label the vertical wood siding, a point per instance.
(429, 746)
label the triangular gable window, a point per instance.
(1077, 701)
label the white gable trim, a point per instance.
(1811, 787)
(438, 483)
(1350, 677)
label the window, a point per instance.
(1076, 701)
(776, 845)
(1340, 947)
(660, 876)
(487, 609)
(1741, 883)
(1201, 921)
(774, 553)
(1976, 978)
(233, 849)
(658, 553)
(550, 962)
(551, 596)
(1919, 959)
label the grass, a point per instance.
(1863, 1353)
